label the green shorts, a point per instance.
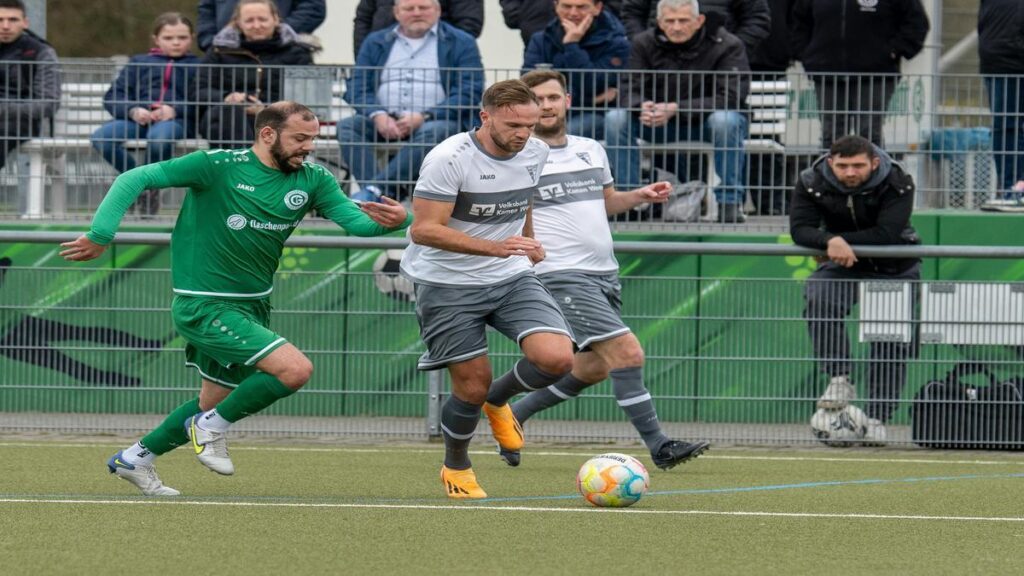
(224, 338)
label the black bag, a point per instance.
(950, 414)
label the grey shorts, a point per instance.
(453, 320)
(591, 303)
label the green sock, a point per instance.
(171, 432)
(254, 394)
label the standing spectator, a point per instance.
(588, 45)
(852, 49)
(149, 100)
(29, 79)
(531, 16)
(1001, 51)
(690, 81)
(854, 196)
(373, 15)
(249, 56)
(748, 20)
(418, 83)
(304, 17)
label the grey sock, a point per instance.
(523, 377)
(635, 401)
(567, 388)
(458, 422)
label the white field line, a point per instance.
(347, 450)
(242, 504)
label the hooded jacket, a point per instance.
(242, 65)
(588, 64)
(150, 79)
(877, 213)
(714, 74)
(1001, 36)
(29, 79)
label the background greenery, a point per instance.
(101, 28)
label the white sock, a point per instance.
(213, 422)
(138, 454)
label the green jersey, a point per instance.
(235, 219)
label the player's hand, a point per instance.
(840, 252)
(387, 212)
(516, 246)
(537, 256)
(81, 249)
(658, 192)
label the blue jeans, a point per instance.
(358, 138)
(585, 123)
(725, 130)
(109, 141)
(1006, 99)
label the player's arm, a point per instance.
(619, 202)
(430, 228)
(363, 219)
(537, 254)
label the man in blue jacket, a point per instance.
(588, 45)
(415, 83)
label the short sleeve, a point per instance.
(441, 177)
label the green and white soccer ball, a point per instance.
(388, 280)
(612, 480)
(839, 428)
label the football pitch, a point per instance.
(379, 509)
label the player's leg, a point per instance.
(588, 369)
(460, 415)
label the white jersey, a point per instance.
(491, 197)
(569, 216)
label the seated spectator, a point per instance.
(373, 15)
(704, 101)
(29, 79)
(416, 83)
(149, 100)
(531, 16)
(304, 16)
(249, 56)
(588, 45)
(749, 20)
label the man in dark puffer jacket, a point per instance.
(749, 20)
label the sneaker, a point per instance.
(731, 214)
(367, 194)
(838, 395)
(461, 484)
(511, 457)
(211, 447)
(875, 434)
(143, 477)
(504, 426)
(675, 452)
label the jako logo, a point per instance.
(295, 199)
(482, 210)
(245, 187)
(487, 177)
(236, 221)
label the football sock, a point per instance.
(138, 454)
(212, 421)
(523, 377)
(567, 388)
(635, 401)
(171, 432)
(254, 394)
(458, 423)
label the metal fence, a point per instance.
(88, 350)
(963, 155)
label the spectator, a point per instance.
(531, 16)
(304, 17)
(149, 100)
(852, 50)
(249, 56)
(854, 196)
(1001, 52)
(418, 83)
(748, 20)
(769, 64)
(704, 100)
(373, 15)
(588, 45)
(29, 79)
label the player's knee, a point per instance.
(297, 374)
(554, 363)
(629, 356)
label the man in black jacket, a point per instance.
(532, 16)
(1001, 52)
(373, 15)
(855, 195)
(689, 82)
(29, 79)
(749, 20)
(852, 51)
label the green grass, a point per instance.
(316, 509)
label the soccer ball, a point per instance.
(839, 428)
(612, 480)
(387, 278)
